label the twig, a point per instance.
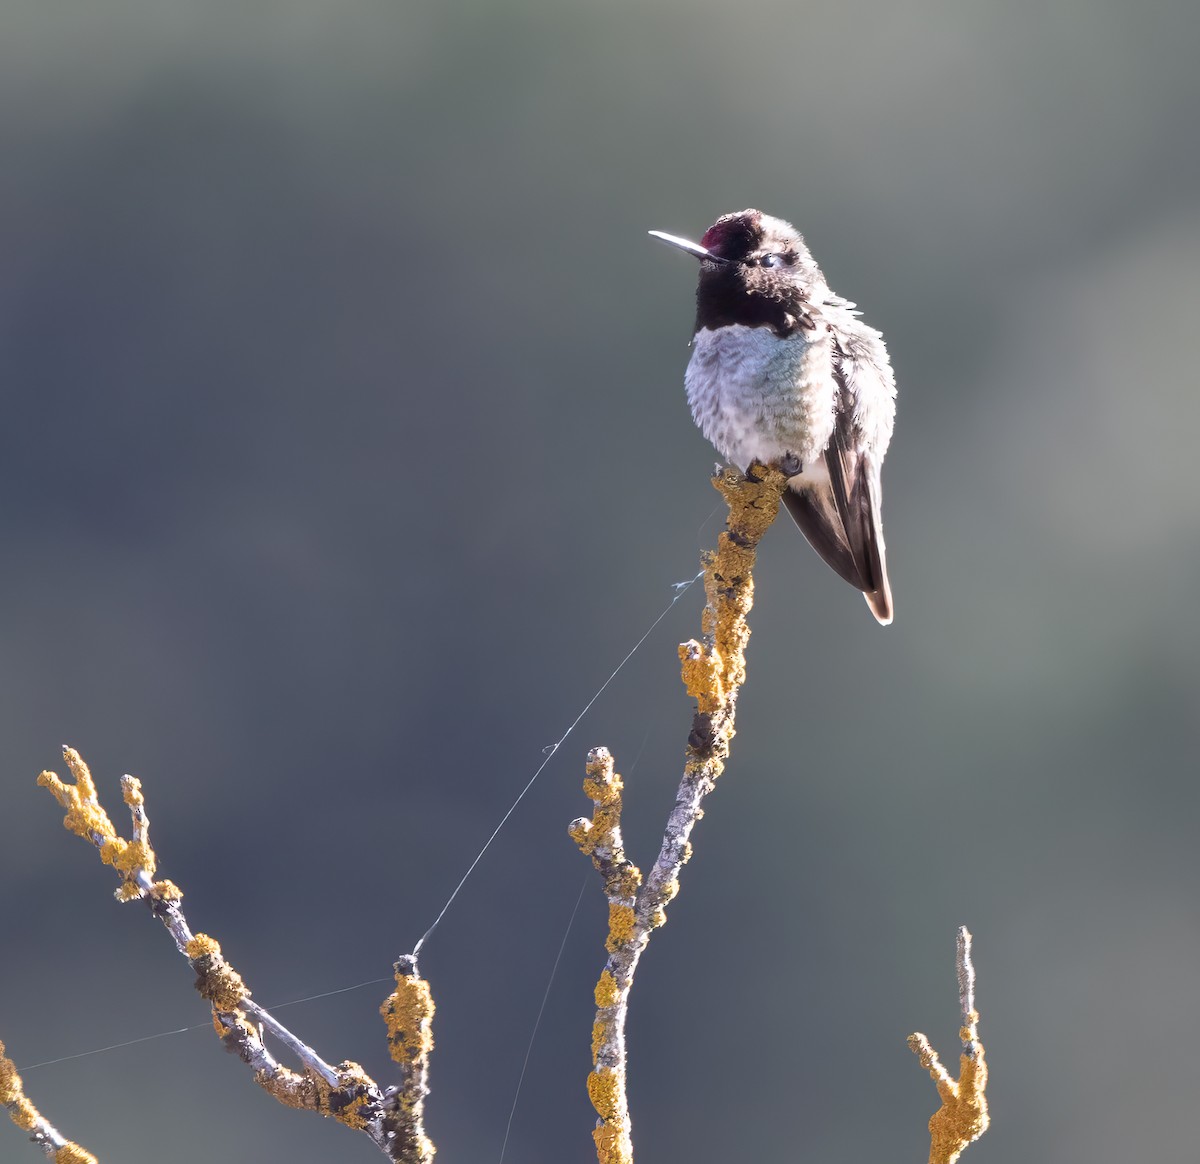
(390, 1117)
(713, 672)
(27, 1117)
(963, 1116)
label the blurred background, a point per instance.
(345, 454)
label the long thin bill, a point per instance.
(686, 244)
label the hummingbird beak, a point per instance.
(686, 245)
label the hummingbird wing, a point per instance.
(861, 368)
(854, 483)
(842, 518)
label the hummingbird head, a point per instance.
(754, 270)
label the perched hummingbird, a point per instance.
(783, 370)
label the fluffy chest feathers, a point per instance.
(757, 396)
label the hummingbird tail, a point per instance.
(880, 602)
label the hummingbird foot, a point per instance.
(790, 465)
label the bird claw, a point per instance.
(790, 465)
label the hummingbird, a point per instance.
(783, 370)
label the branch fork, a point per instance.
(963, 1116)
(713, 670)
(391, 1117)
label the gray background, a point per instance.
(344, 453)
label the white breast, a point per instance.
(757, 397)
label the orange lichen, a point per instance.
(349, 1103)
(24, 1114)
(408, 1013)
(85, 818)
(224, 988)
(603, 787)
(612, 1144)
(358, 1085)
(290, 1088)
(753, 505)
(12, 1095)
(216, 980)
(607, 992)
(136, 855)
(202, 945)
(602, 784)
(88, 820)
(702, 674)
(605, 822)
(622, 921)
(10, 1081)
(963, 1116)
(26, 1117)
(71, 1153)
(604, 1092)
(606, 1089)
(112, 850)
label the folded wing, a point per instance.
(842, 518)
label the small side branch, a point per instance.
(27, 1117)
(600, 838)
(713, 671)
(344, 1092)
(963, 1116)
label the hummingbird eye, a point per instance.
(777, 260)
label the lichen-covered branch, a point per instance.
(713, 672)
(963, 1116)
(408, 1013)
(600, 838)
(390, 1117)
(27, 1117)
